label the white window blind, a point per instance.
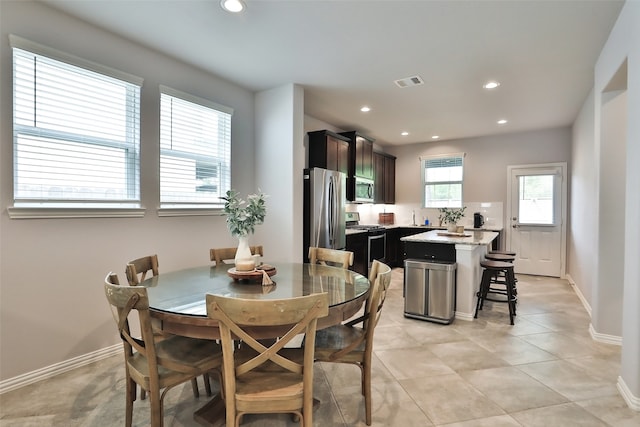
(195, 150)
(76, 131)
(442, 181)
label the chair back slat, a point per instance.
(236, 316)
(220, 255)
(112, 278)
(125, 300)
(138, 269)
(376, 300)
(330, 257)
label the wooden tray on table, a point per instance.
(252, 275)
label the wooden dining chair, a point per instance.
(220, 255)
(137, 269)
(112, 278)
(156, 366)
(136, 272)
(352, 342)
(331, 257)
(261, 379)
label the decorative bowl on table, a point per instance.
(257, 274)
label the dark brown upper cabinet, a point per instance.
(384, 190)
(360, 160)
(328, 150)
(361, 154)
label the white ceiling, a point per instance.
(347, 53)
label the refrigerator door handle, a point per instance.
(331, 212)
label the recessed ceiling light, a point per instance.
(435, 137)
(405, 133)
(491, 85)
(365, 109)
(502, 122)
(234, 6)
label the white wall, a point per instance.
(582, 239)
(279, 164)
(608, 289)
(624, 44)
(485, 166)
(51, 270)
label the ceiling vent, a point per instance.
(409, 81)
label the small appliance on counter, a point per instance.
(386, 218)
(478, 220)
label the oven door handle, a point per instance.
(372, 240)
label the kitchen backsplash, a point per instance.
(493, 213)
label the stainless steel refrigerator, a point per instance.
(324, 207)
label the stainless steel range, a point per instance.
(376, 237)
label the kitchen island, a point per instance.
(466, 249)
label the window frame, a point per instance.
(73, 208)
(423, 168)
(556, 180)
(190, 208)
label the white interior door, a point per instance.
(536, 217)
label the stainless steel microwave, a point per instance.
(364, 190)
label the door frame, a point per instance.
(563, 208)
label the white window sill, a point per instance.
(190, 210)
(42, 212)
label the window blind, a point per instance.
(195, 150)
(442, 179)
(76, 133)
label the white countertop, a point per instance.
(430, 227)
(442, 227)
(350, 231)
(474, 237)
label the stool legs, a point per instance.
(484, 288)
(510, 278)
(491, 268)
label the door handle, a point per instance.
(515, 226)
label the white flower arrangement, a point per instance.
(242, 217)
(451, 216)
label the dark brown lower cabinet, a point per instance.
(357, 243)
(395, 248)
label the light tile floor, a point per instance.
(543, 371)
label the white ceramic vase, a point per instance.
(452, 227)
(244, 261)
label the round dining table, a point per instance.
(177, 299)
(177, 303)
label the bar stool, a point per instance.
(491, 269)
(503, 252)
(499, 256)
(498, 278)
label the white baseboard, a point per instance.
(632, 401)
(581, 297)
(464, 316)
(58, 368)
(604, 338)
(596, 336)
